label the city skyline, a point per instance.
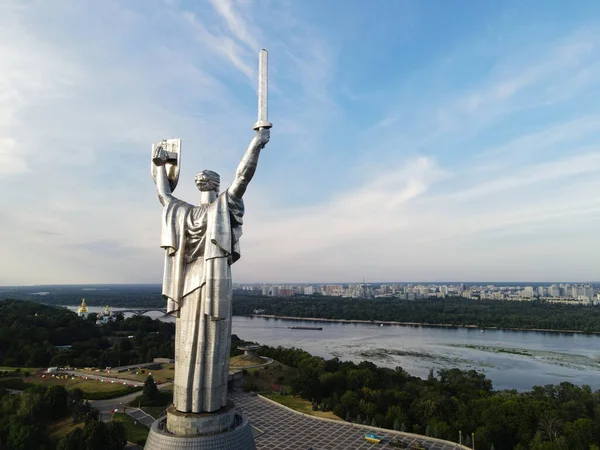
(439, 141)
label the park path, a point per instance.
(105, 407)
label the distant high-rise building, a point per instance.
(286, 291)
(541, 291)
(334, 290)
(309, 290)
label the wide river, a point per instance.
(511, 359)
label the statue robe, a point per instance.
(201, 243)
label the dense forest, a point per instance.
(24, 421)
(30, 333)
(450, 311)
(562, 417)
(125, 295)
(456, 311)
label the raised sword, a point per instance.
(263, 76)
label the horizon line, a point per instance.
(325, 283)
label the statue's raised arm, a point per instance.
(165, 168)
(247, 166)
(162, 183)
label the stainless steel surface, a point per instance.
(171, 148)
(201, 242)
(263, 85)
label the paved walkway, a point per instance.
(105, 407)
(141, 416)
(285, 430)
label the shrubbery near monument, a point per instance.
(24, 420)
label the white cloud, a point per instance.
(495, 180)
(237, 24)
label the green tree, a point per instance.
(150, 392)
(56, 400)
(24, 436)
(117, 435)
(72, 441)
(580, 434)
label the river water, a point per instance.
(511, 359)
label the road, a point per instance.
(107, 406)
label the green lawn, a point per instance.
(14, 383)
(300, 405)
(61, 428)
(165, 398)
(164, 374)
(136, 432)
(92, 389)
(154, 411)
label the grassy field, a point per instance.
(164, 374)
(165, 398)
(241, 361)
(58, 430)
(20, 369)
(136, 432)
(265, 377)
(300, 404)
(154, 411)
(92, 389)
(14, 383)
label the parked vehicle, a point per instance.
(372, 437)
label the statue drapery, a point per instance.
(201, 243)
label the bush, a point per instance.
(250, 386)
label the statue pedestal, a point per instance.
(226, 429)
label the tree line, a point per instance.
(24, 421)
(551, 417)
(457, 311)
(31, 335)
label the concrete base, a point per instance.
(190, 424)
(238, 438)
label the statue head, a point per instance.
(207, 180)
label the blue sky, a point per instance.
(412, 140)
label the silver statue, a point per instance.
(201, 243)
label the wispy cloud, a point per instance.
(478, 160)
(237, 24)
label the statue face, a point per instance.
(207, 180)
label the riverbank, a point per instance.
(415, 324)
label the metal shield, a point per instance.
(172, 166)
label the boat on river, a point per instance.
(306, 328)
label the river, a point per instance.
(511, 359)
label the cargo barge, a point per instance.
(306, 328)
